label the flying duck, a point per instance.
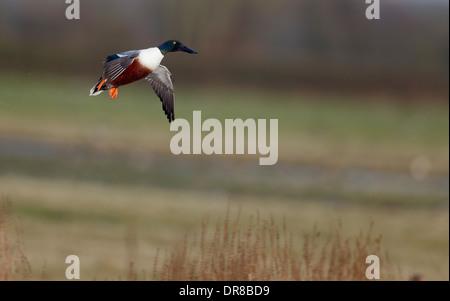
(126, 67)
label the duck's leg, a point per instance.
(113, 92)
(99, 86)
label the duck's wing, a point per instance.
(115, 64)
(162, 83)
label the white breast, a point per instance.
(150, 57)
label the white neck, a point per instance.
(151, 57)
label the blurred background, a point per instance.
(363, 126)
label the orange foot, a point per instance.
(113, 92)
(99, 86)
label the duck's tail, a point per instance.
(99, 87)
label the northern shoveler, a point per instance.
(126, 67)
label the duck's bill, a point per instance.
(188, 50)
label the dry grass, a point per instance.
(14, 264)
(258, 250)
(261, 251)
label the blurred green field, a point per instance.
(87, 173)
(329, 130)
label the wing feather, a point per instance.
(115, 64)
(162, 83)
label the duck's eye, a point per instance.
(174, 42)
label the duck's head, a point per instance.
(174, 45)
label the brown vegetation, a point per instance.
(14, 264)
(262, 251)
